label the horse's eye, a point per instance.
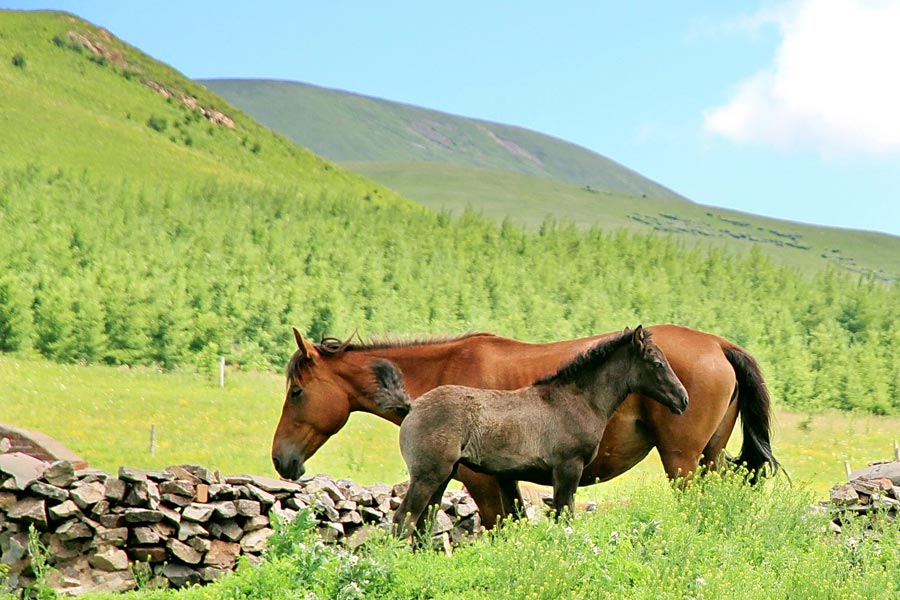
(296, 393)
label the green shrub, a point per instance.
(157, 123)
(18, 60)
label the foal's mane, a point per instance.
(330, 346)
(590, 359)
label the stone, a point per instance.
(143, 494)
(73, 530)
(351, 517)
(109, 558)
(117, 536)
(255, 541)
(132, 474)
(274, 486)
(160, 476)
(223, 491)
(360, 495)
(201, 493)
(5, 445)
(60, 473)
(330, 532)
(24, 469)
(189, 529)
(198, 512)
(7, 500)
(261, 496)
(370, 514)
(225, 509)
(183, 474)
(111, 521)
(142, 515)
(116, 582)
(346, 505)
(63, 511)
(257, 522)
(466, 507)
(222, 554)
(173, 516)
(181, 487)
(115, 489)
(322, 484)
(88, 494)
(209, 574)
(31, 511)
(164, 529)
(183, 552)
(148, 554)
(323, 505)
(843, 495)
(442, 522)
(176, 500)
(200, 544)
(144, 536)
(295, 503)
(360, 536)
(226, 530)
(15, 549)
(887, 470)
(247, 508)
(61, 550)
(180, 575)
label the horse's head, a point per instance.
(652, 375)
(316, 406)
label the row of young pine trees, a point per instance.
(178, 277)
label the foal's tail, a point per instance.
(756, 417)
(391, 394)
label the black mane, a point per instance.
(590, 359)
(330, 346)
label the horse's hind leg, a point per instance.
(513, 506)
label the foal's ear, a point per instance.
(638, 337)
(307, 349)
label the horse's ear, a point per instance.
(307, 349)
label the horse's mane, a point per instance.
(589, 359)
(330, 346)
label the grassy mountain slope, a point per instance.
(350, 127)
(77, 99)
(447, 162)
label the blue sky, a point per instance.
(781, 108)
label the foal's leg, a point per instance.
(565, 482)
(413, 506)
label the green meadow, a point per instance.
(105, 414)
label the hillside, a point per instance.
(351, 127)
(77, 100)
(447, 162)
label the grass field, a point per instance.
(105, 415)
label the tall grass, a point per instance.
(720, 539)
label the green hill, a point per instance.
(447, 162)
(78, 100)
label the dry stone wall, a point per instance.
(185, 524)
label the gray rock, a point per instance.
(201, 545)
(223, 491)
(176, 500)
(198, 512)
(142, 515)
(24, 469)
(257, 522)
(132, 474)
(63, 511)
(117, 536)
(255, 541)
(7, 500)
(843, 495)
(442, 522)
(275, 486)
(247, 508)
(182, 473)
(143, 494)
(180, 487)
(180, 575)
(115, 489)
(109, 558)
(73, 530)
(60, 473)
(86, 495)
(225, 509)
(323, 484)
(226, 530)
(183, 552)
(144, 536)
(116, 582)
(261, 496)
(31, 511)
(189, 529)
(148, 554)
(15, 549)
(209, 573)
(888, 470)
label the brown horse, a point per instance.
(544, 433)
(328, 381)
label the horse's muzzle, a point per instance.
(291, 468)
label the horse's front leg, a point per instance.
(565, 482)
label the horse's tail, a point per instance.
(756, 417)
(391, 394)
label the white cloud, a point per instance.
(834, 84)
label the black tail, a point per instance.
(391, 394)
(756, 417)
